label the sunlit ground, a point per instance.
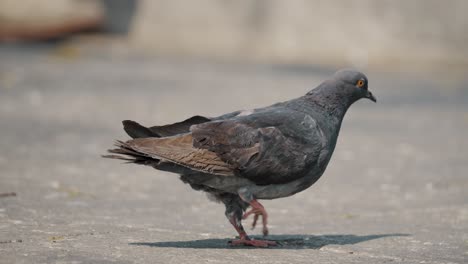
(394, 191)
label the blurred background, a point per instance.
(385, 34)
(71, 70)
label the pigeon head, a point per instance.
(352, 84)
(339, 92)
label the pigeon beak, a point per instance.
(371, 97)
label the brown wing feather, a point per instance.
(180, 150)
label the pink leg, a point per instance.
(258, 210)
(244, 239)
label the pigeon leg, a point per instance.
(257, 210)
(244, 239)
(234, 210)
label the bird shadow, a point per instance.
(284, 241)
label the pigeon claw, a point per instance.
(252, 243)
(258, 210)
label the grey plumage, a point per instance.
(265, 153)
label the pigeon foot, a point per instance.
(252, 243)
(258, 210)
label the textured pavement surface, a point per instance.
(394, 192)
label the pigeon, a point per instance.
(245, 156)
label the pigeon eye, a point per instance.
(360, 83)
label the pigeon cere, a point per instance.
(242, 157)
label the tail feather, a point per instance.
(136, 130)
(128, 154)
(118, 157)
(179, 127)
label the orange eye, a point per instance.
(360, 83)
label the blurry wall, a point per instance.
(384, 33)
(34, 19)
(398, 34)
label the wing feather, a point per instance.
(179, 150)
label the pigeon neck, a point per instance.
(329, 98)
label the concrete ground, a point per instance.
(394, 192)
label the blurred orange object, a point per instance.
(48, 19)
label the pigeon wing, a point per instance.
(268, 147)
(179, 150)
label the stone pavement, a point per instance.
(394, 192)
